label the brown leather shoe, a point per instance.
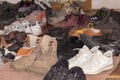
(90, 31)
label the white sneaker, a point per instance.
(83, 56)
(98, 63)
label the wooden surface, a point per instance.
(115, 75)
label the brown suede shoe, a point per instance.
(44, 62)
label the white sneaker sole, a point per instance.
(104, 69)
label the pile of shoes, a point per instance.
(73, 47)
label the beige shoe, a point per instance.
(45, 61)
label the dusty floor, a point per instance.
(6, 73)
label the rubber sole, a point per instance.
(104, 69)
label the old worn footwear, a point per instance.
(101, 16)
(76, 73)
(67, 45)
(90, 31)
(58, 71)
(46, 42)
(90, 42)
(9, 55)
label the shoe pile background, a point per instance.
(74, 60)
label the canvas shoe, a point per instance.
(99, 63)
(83, 56)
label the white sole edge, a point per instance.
(104, 69)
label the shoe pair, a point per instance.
(92, 61)
(6, 9)
(60, 71)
